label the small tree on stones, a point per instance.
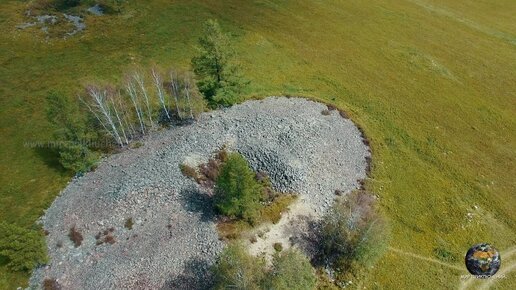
(237, 193)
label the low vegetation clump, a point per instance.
(24, 249)
(129, 223)
(75, 236)
(352, 233)
(236, 269)
(106, 237)
(189, 171)
(72, 137)
(51, 284)
(291, 269)
(275, 207)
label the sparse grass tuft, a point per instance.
(129, 223)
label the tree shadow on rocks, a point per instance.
(195, 276)
(194, 200)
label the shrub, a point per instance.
(237, 192)
(70, 133)
(129, 224)
(76, 157)
(23, 248)
(210, 170)
(236, 269)
(291, 270)
(188, 171)
(352, 232)
(325, 112)
(278, 247)
(109, 239)
(222, 155)
(75, 236)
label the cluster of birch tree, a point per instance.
(143, 103)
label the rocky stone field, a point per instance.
(304, 147)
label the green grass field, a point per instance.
(432, 82)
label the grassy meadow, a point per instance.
(432, 83)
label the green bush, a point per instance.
(24, 249)
(291, 270)
(236, 269)
(71, 134)
(237, 193)
(278, 247)
(352, 233)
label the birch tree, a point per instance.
(158, 83)
(141, 83)
(121, 125)
(175, 91)
(133, 95)
(187, 94)
(99, 106)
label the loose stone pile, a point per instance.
(174, 239)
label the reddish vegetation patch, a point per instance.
(51, 284)
(331, 107)
(105, 237)
(75, 236)
(206, 174)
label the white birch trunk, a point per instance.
(119, 122)
(141, 84)
(187, 93)
(134, 99)
(99, 99)
(175, 92)
(158, 82)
